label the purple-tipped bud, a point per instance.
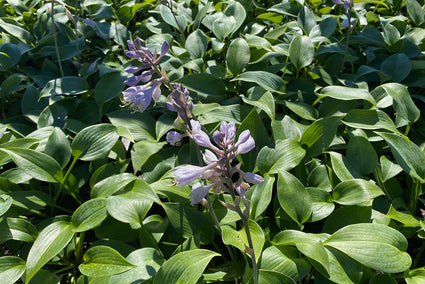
(132, 81)
(209, 157)
(164, 48)
(170, 106)
(90, 23)
(131, 54)
(199, 136)
(246, 146)
(173, 137)
(253, 178)
(229, 131)
(243, 137)
(146, 75)
(132, 69)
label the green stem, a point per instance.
(251, 246)
(62, 186)
(418, 256)
(414, 195)
(407, 129)
(52, 12)
(79, 248)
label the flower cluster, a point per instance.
(219, 171)
(140, 96)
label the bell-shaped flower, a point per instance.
(253, 178)
(199, 192)
(187, 174)
(173, 137)
(199, 136)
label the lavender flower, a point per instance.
(139, 97)
(178, 102)
(173, 137)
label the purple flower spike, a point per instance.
(229, 130)
(138, 96)
(253, 178)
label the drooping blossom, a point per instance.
(346, 3)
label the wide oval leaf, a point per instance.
(319, 135)
(293, 197)
(196, 44)
(185, 267)
(301, 51)
(286, 155)
(36, 164)
(17, 229)
(374, 245)
(407, 154)
(103, 261)
(347, 94)
(11, 268)
(355, 192)
(89, 215)
(94, 142)
(237, 56)
(268, 81)
(148, 261)
(69, 85)
(48, 244)
(5, 203)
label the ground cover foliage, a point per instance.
(330, 92)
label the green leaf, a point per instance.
(361, 155)
(140, 125)
(319, 135)
(36, 164)
(45, 277)
(308, 244)
(293, 197)
(286, 262)
(239, 239)
(94, 142)
(415, 11)
(347, 215)
(321, 204)
(415, 276)
(264, 102)
(11, 268)
(237, 56)
(181, 268)
(407, 154)
(148, 261)
(270, 276)
(397, 66)
(15, 29)
(355, 191)
(109, 87)
(143, 150)
(369, 119)
(389, 169)
(51, 241)
(343, 269)
(89, 215)
(209, 87)
(129, 208)
(304, 111)
(301, 51)
(374, 245)
(5, 203)
(341, 167)
(17, 229)
(306, 19)
(67, 86)
(196, 44)
(58, 147)
(286, 155)
(103, 261)
(402, 102)
(347, 94)
(188, 221)
(260, 196)
(266, 80)
(112, 184)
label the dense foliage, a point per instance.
(313, 109)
